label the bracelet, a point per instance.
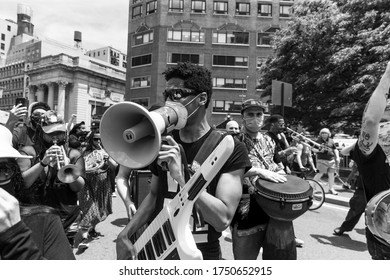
(44, 165)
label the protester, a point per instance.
(77, 136)
(328, 159)
(276, 128)
(357, 203)
(24, 135)
(26, 231)
(95, 198)
(232, 127)
(191, 86)
(303, 160)
(44, 187)
(372, 155)
(250, 222)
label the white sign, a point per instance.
(97, 93)
(117, 97)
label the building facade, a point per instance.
(231, 38)
(110, 55)
(59, 74)
(8, 29)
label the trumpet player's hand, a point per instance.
(51, 155)
(170, 155)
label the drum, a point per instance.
(284, 201)
(377, 216)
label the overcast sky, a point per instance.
(102, 22)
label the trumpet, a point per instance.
(320, 146)
(67, 173)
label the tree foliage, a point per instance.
(334, 53)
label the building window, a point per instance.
(151, 7)
(243, 9)
(220, 8)
(8, 27)
(137, 11)
(226, 60)
(229, 83)
(175, 6)
(2, 37)
(124, 64)
(141, 60)
(230, 37)
(141, 101)
(264, 39)
(186, 35)
(264, 10)
(140, 82)
(145, 38)
(136, 1)
(2, 47)
(225, 106)
(185, 57)
(285, 11)
(198, 6)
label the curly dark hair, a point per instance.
(195, 77)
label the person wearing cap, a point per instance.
(191, 86)
(328, 158)
(26, 231)
(250, 222)
(50, 151)
(24, 135)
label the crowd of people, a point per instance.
(57, 181)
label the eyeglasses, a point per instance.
(177, 93)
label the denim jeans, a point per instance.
(247, 242)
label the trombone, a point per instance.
(320, 146)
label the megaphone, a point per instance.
(131, 134)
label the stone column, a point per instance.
(31, 93)
(41, 93)
(61, 98)
(50, 95)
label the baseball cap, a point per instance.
(52, 122)
(6, 149)
(251, 103)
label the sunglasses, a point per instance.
(177, 93)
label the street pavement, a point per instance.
(103, 248)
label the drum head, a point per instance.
(295, 189)
(378, 216)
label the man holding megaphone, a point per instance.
(190, 86)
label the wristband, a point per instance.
(44, 165)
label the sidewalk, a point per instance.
(343, 197)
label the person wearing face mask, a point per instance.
(43, 185)
(25, 135)
(190, 85)
(250, 221)
(27, 232)
(371, 154)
